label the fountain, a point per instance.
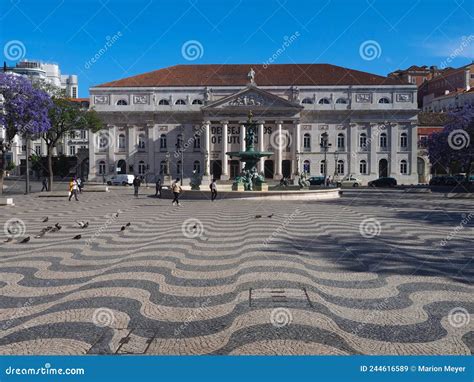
(250, 179)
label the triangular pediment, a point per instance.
(254, 98)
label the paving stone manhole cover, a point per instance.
(278, 297)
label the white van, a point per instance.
(120, 179)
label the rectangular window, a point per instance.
(38, 150)
(72, 150)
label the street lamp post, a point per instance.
(27, 161)
(325, 146)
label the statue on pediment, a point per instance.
(251, 76)
(207, 94)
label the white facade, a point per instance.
(372, 130)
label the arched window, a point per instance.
(179, 141)
(403, 140)
(197, 141)
(101, 167)
(163, 142)
(307, 101)
(180, 102)
(383, 140)
(122, 102)
(363, 140)
(178, 167)
(307, 167)
(403, 167)
(363, 167)
(340, 167)
(163, 167)
(307, 142)
(384, 100)
(340, 141)
(197, 167)
(141, 168)
(323, 167)
(121, 141)
(324, 101)
(197, 102)
(341, 100)
(163, 102)
(141, 142)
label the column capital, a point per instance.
(225, 122)
(206, 122)
(279, 122)
(242, 122)
(296, 122)
(260, 122)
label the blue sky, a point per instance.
(145, 35)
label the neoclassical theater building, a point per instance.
(185, 118)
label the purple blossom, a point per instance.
(25, 107)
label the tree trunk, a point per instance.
(2, 169)
(50, 168)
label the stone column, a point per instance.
(352, 148)
(207, 152)
(112, 136)
(93, 170)
(131, 147)
(261, 163)
(413, 162)
(374, 140)
(279, 151)
(296, 148)
(151, 152)
(225, 137)
(242, 140)
(393, 149)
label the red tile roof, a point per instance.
(236, 75)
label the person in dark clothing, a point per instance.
(45, 184)
(136, 185)
(158, 188)
(213, 187)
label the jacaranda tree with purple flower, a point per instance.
(453, 147)
(25, 112)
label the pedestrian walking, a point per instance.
(45, 184)
(158, 188)
(213, 187)
(136, 185)
(73, 189)
(176, 188)
(79, 184)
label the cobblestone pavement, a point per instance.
(370, 273)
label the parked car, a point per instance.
(349, 181)
(383, 182)
(120, 179)
(316, 180)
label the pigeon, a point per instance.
(127, 225)
(45, 219)
(9, 231)
(77, 237)
(54, 229)
(41, 234)
(25, 240)
(58, 226)
(195, 227)
(270, 216)
(8, 240)
(116, 214)
(48, 228)
(258, 216)
(122, 228)
(83, 224)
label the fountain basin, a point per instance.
(321, 194)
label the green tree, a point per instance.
(66, 116)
